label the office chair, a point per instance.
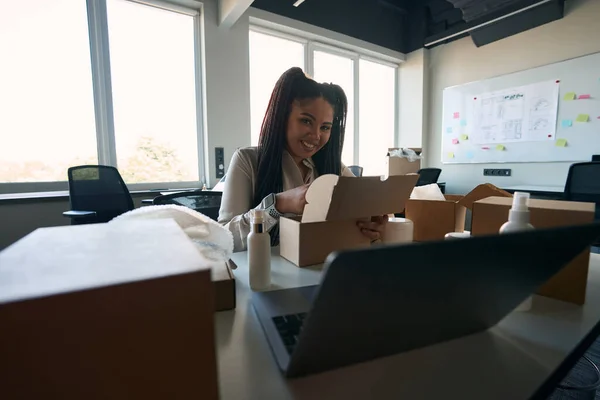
(583, 184)
(428, 176)
(97, 193)
(596, 157)
(207, 202)
(356, 170)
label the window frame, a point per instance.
(315, 44)
(102, 93)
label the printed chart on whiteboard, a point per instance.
(519, 114)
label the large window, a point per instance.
(370, 86)
(113, 82)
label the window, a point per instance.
(370, 86)
(266, 69)
(114, 83)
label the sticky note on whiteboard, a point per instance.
(463, 122)
(584, 96)
(456, 115)
(454, 141)
(464, 137)
(567, 123)
(500, 147)
(450, 155)
(583, 118)
(561, 143)
(448, 130)
(470, 155)
(570, 96)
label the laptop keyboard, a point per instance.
(289, 327)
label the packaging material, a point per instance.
(403, 161)
(335, 204)
(433, 219)
(427, 192)
(224, 286)
(570, 283)
(107, 311)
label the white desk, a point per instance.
(510, 361)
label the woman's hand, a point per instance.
(292, 201)
(374, 229)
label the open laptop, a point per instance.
(385, 300)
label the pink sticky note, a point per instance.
(456, 115)
(454, 141)
(584, 96)
(485, 148)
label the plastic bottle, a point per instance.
(259, 252)
(518, 220)
(518, 216)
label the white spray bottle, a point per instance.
(518, 220)
(259, 252)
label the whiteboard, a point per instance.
(559, 135)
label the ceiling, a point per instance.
(406, 25)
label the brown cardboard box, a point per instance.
(434, 218)
(107, 311)
(309, 243)
(401, 165)
(570, 283)
(224, 286)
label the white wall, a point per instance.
(413, 99)
(577, 34)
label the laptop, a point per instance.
(385, 300)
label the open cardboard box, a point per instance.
(334, 205)
(570, 283)
(223, 282)
(401, 165)
(434, 218)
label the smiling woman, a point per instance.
(301, 138)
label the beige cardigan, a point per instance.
(238, 192)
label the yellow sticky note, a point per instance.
(464, 137)
(583, 118)
(500, 147)
(450, 155)
(561, 142)
(570, 96)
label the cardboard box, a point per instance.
(434, 218)
(224, 287)
(401, 165)
(351, 199)
(570, 283)
(107, 311)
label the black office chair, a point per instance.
(97, 193)
(206, 202)
(356, 170)
(583, 184)
(428, 176)
(596, 157)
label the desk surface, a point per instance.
(536, 188)
(509, 361)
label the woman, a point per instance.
(301, 138)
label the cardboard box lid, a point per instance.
(481, 192)
(333, 198)
(545, 204)
(63, 259)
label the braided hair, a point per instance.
(295, 85)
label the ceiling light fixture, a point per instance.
(298, 2)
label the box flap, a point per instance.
(370, 196)
(481, 192)
(545, 204)
(417, 150)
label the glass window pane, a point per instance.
(270, 56)
(377, 113)
(46, 100)
(332, 68)
(154, 92)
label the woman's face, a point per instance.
(309, 127)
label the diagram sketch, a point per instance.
(520, 114)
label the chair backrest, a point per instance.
(428, 176)
(583, 182)
(596, 157)
(356, 170)
(98, 188)
(207, 202)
